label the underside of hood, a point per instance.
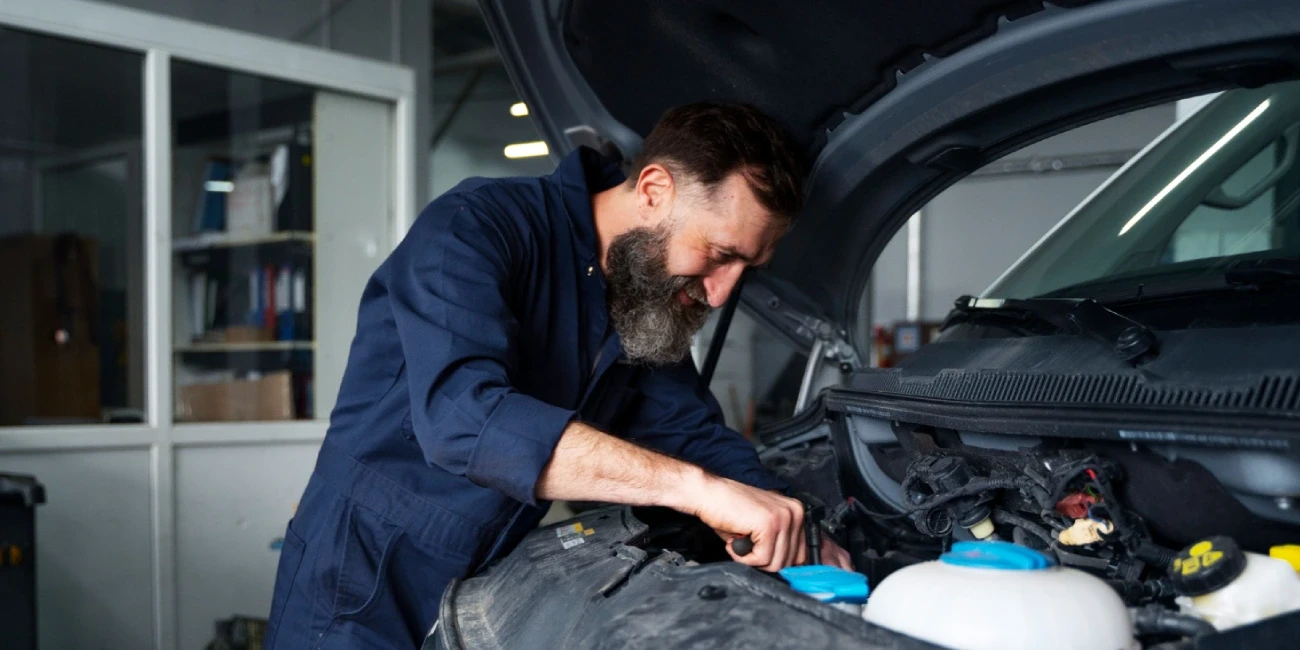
(805, 63)
(893, 101)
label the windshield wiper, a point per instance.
(1130, 340)
(1256, 273)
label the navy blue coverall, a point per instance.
(479, 338)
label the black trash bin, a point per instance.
(19, 496)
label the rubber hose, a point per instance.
(1153, 553)
(1154, 619)
(1004, 517)
(972, 488)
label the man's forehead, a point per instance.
(750, 239)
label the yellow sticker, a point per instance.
(577, 528)
(588, 532)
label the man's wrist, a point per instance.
(685, 489)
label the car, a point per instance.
(1099, 450)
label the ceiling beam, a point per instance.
(469, 60)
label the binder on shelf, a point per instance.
(210, 304)
(302, 325)
(210, 208)
(283, 300)
(294, 210)
(198, 305)
(255, 298)
(268, 302)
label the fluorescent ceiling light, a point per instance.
(526, 149)
(219, 186)
(1214, 148)
(519, 109)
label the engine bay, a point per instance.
(1181, 548)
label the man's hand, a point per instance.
(774, 522)
(835, 556)
(588, 464)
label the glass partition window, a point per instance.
(243, 246)
(71, 234)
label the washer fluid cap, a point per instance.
(827, 583)
(1289, 553)
(996, 555)
(1206, 566)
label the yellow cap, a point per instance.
(1289, 553)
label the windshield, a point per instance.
(1221, 186)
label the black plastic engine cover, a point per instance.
(606, 592)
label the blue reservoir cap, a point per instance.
(996, 555)
(827, 583)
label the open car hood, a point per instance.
(894, 101)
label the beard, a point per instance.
(655, 327)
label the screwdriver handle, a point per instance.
(742, 546)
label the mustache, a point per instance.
(693, 286)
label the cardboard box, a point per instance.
(267, 398)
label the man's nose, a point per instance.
(718, 285)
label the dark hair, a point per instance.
(709, 141)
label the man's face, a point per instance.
(664, 278)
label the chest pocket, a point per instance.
(615, 399)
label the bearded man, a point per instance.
(528, 341)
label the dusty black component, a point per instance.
(1182, 502)
(935, 523)
(950, 473)
(1131, 341)
(1038, 532)
(544, 595)
(1106, 561)
(812, 533)
(1137, 592)
(1155, 554)
(1207, 566)
(1155, 620)
(953, 493)
(1276, 633)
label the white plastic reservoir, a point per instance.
(1001, 596)
(1266, 587)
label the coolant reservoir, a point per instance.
(1001, 596)
(845, 590)
(1228, 587)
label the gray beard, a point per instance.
(655, 327)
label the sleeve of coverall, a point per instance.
(680, 418)
(449, 283)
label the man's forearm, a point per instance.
(590, 465)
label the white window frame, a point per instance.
(160, 39)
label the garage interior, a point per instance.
(171, 448)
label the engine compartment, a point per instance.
(1129, 514)
(1118, 522)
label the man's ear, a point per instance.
(655, 189)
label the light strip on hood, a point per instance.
(1200, 160)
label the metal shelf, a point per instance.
(252, 346)
(209, 241)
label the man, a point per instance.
(528, 341)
